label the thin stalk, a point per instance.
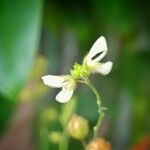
(63, 145)
(100, 108)
(83, 144)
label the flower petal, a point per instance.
(64, 95)
(53, 81)
(98, 50)
(104, 68)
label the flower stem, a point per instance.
(100, 108)
(83, 144)
(65, 140)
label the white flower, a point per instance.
(67, 83)
(97, 52)
(90, 65)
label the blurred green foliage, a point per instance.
(125, 92)
(19, 31)
(19, 36)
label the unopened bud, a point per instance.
(99, 144)
(55, 137)
(50, 114)
(78, 127)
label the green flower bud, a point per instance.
(78, 127)
(50, 114)
(99, 144)
(55, 137)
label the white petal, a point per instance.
(104, 68)
(64, 95)
(98, 50)
(53, 81)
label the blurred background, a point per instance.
(40, 37)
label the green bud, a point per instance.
(55, 137)
(50, 114)
(78, 127)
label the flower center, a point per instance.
(80, 71)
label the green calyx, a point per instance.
(80, 71)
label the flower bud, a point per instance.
(55, 137)
(78, 127)
(99, 144)
(50, 114)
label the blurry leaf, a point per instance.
(19, 34)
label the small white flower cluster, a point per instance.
(90, 64)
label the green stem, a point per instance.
(63, 145)
(83, 144)
(100, 108)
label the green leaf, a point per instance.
(20, 22)
(19, 34)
